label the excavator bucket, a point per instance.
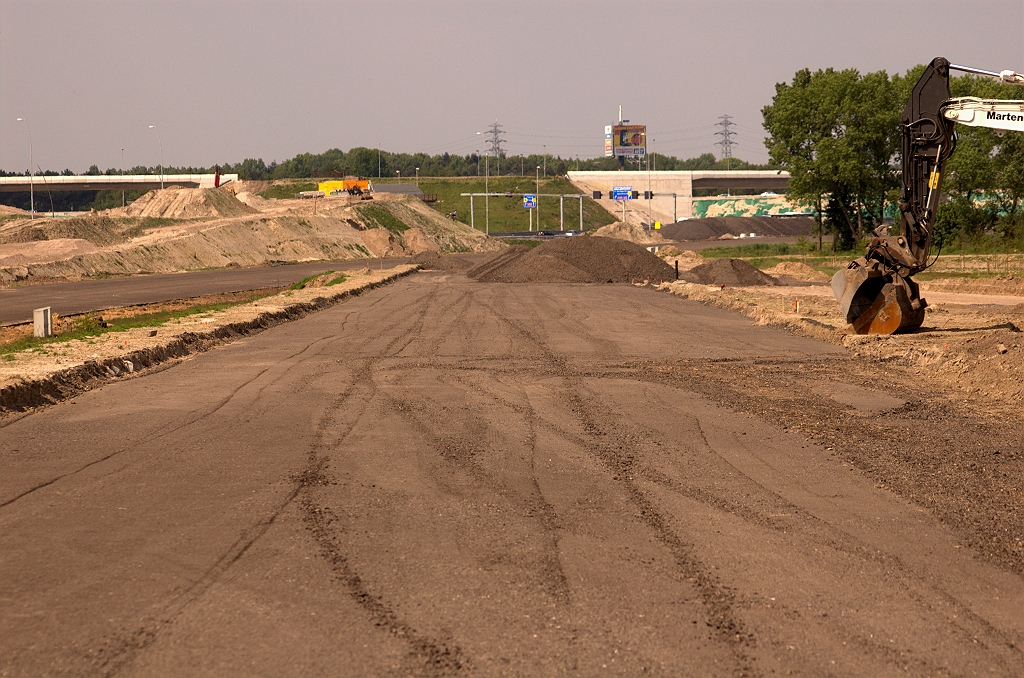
(875, 303)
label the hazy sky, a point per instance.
(228, 80)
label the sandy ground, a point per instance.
(441, 477)
(970, 344)
(191, 229)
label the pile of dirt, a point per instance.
(731, 272)
(581, 260)
(7, 209)
(716, 227)
(188, 203)
(97, 229)
(631, 232)
(432, 261)
(796, 270)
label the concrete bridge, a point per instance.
(114, 182)
(682, 183)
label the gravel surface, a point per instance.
(442, 477)
(714, 227)
(731, 272)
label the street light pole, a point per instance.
(545, 161)
(31, 172)
(161, 140)
(417, 177)
(487, 194)
(378, 161)
(538, 198)
(122, 177)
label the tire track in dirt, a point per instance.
(427, 656)
(192, 418)
(973, 627)
(934, 452)
(717, 599)
(195, 416)
(120, 651)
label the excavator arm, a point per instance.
(876, 292)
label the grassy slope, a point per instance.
(508, 214)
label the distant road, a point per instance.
(16, 303)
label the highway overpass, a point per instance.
(114, 182)
(682, 183)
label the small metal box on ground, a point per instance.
(42, 323)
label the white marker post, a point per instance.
(42, 323)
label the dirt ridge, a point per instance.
(589, 259)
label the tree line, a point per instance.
(838, 134)
(360, 161)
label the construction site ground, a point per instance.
(440, 476)
(178, 229)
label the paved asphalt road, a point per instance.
(442, 477)
(16, 303)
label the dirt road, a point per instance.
(444, 477)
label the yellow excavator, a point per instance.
(876, 292)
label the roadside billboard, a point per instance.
(629, 140)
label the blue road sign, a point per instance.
(622, 192)
(529, 201)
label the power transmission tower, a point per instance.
(497, 151)
(727, 134)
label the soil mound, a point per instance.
(6, 209)
(583, 260)
(716, 227)
(189, 203)
(630, 232)
(734, 272)
(435, 262)
(98, 230)
(797, 270)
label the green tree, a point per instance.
(837, 133)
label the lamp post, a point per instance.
(31, 172)
(160, 139)
(122, 177)
(545, 161)
(478, 159)
(538, 198)
(417, 177)
(378, 161)
(487, 193)
(399, 173)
